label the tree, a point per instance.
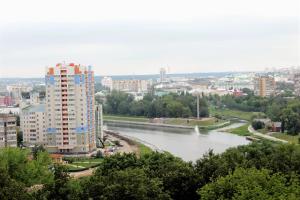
(60, 188)
(11, 189)
(258, 124)
(252, 184)
(291, 117)
(18, 165)
(178, 177)
(36, 149)
(19, 138)
(125, 184)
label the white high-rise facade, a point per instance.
(70, 109)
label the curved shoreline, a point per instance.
(151, 126)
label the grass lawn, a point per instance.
(193, 122)
(242, 130)
(84, 163)
(126, 118)
(290, 138)
(230, 113)
(144, 149)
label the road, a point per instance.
(268, 137)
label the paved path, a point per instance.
(268, 137)
(84, 173)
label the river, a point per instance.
(187, 144)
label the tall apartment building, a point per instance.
(8, 131)
(130, 85)
(70, 111)
(162, 74)
(33, 125)
(264, 86)
(297, 83)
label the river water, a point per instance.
(189, 145)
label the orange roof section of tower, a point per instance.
(50, 71)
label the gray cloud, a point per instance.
(142, 47)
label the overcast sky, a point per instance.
(139, 37)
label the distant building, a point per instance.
(6, 101)
(33, 125)
(15, 91)
(162, 74)
(70, 109)
(8, 131)
(107, 82)
(130, 85)
(264, 86)
(297, 83)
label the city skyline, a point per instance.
(129, 39)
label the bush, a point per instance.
(258, 125)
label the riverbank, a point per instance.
(175, 123)
(131, 145)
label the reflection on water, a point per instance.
(187, 144)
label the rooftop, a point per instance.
(35, 108)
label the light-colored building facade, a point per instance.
(264, 86)
(162, 73)
(33, 125)
(297, 83)
(130, 85)
(70, 110)
(15, 91)
(8, 130)
(107, 82)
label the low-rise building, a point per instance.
(297, 83)
(8, 130)
(130, 85)
(33, 125)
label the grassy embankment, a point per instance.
(172, 121)
(126, 118)
(143, 149)
(294, 139)
(242, 130)
(230, 113)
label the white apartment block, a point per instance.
(70, 109)
(297, 83)
(130, 85)
(107, 82)
(8, 130)
(33, 125)
(264, 86)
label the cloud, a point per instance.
(117, 47)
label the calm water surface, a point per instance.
(189, 145)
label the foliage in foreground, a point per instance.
(259, 170)
(252, 184)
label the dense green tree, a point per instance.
(11, 189)
(19, 166)
(252, 184)
(258, 124)
(125, 184)
(291, 117)
(58, 189)
(171, 105)
(178, 177)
